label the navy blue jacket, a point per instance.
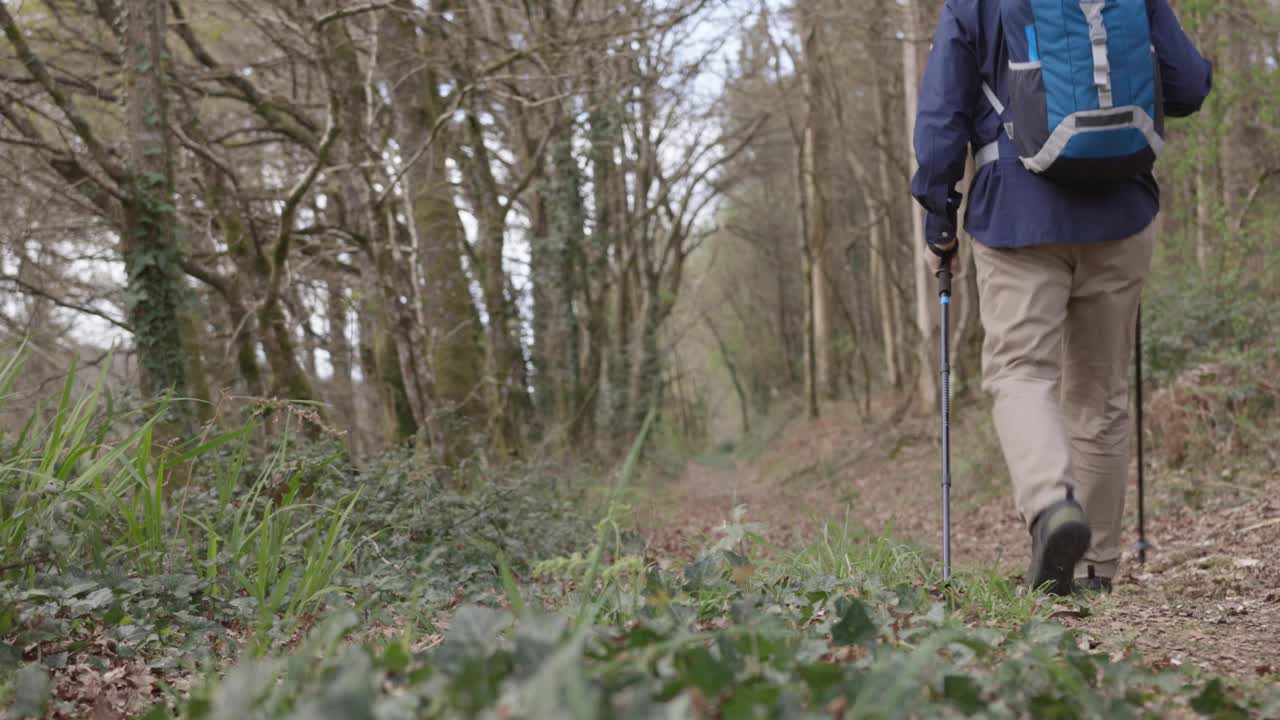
(1008, 205)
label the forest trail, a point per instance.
(1208, 596)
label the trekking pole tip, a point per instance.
(1142, 547)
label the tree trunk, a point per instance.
(509, 405)
(882, 236)
(1208, 177)
(455, 353)
(338, 341)
(1206, 194)
(568, 215)
(227, 220)
(744, 408)
(595, 279)
(370, 396)
(817, 225)
(646, 382)
(543, 292)
(926, 306)
(806, 256)
(386, 278)
(194, 339)
(624, 333)
(155, 288)
(291, 381)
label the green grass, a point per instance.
(88, 497)
(986, 594)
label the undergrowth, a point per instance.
(849, 627)
(280, 581)
(120, 548)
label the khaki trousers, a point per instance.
(1059, 322)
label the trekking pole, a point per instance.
(1143, 545)
(944, 296)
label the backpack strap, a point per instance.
(995, 101)
(1098, 42)
(999, 108)
(987, 154)
(990, 152)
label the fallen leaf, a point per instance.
(102, 710)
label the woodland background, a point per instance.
(500, 358)
(497, 228)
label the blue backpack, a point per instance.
(1083, 88)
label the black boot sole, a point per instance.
(1064, 547)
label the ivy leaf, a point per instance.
(699, 668)
(348, 695)
(247, 606)
(114, 616)
(396, 658)
(1051, 708)
(817, 597)
(705, 573)
(1213, 702)
(536, 640)
(855, 626)
(756, 699)
(963, 692)
(79, 588)
(642, 635)
(158, 712)
(476, 627)
(10, 657)
(475, 634)
(822, 679)
(31, 691)
(97, 600)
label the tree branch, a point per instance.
(1253, 196)
(302, 133)
(98, 191)
(280, 253)
(348, 12)
(41, 293)
(40, 72)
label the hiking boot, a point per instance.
(1094, 584)
(1059, 538)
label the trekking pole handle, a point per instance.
(944, 280)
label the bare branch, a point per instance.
(301, 129)
(280, 252)
(342, 13)
(40, 72)
(66, 304)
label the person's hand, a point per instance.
(940, 257)
(941, 236)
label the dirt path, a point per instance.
(1208, 596)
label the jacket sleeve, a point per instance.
(944, 122)
(1186, 76)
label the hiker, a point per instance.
(1062, 106)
